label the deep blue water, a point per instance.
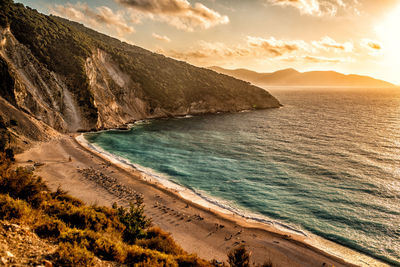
(328, 162)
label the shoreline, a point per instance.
(204, 201)
(205, 230)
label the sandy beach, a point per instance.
(209, 233)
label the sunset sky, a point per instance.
(349, 36)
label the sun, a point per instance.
(388, 33)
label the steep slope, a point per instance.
(73, 78)
(295, 78)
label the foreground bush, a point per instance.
(103, 247)
(11, 209)
(154, 258)
(73, 255)
(50, 227)
(22, 184)
(159, 240)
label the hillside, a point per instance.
(59, 74)
(293, 77)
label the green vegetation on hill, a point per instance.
(57, 46)
(64, 47)
(164, 79)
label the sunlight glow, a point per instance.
(387, 31)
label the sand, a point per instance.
(209, 233)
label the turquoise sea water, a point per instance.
(328, 162)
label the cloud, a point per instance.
(274, 47)
(371, 44)
(206, 50)
(316, 59)
(319, 7)
(94, 17)
(259, 49)
(178, 13)
(329, 44)
(310, 59)
(161, 38)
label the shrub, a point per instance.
(62, 195)
(112, 216)
(85, 238)
(191, 261)
(161, 241)
(108, 250)
(49, 227)
(239, 257)
(134, 220)
(149, 262)
(13, 209)
(22, 184)
(140, 257)
(82, 217)
(97, 243)
(73, 255)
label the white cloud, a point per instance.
(259, 49)
(274, 47)
(328, 44)
(319, 7)
(102, 15)
(178, 13)
(161, 38)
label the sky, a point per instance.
(348, 36)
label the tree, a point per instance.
(134, 220)
(239, 257)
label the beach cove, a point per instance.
(95, 179)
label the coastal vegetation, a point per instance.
(82, 232)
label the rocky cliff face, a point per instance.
(37, 91)
(97, 82)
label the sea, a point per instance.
(326, 163)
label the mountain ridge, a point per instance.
(72, 78)
(292, 77)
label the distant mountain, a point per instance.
(292, 77)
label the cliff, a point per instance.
(292, 77)
(60, 74)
